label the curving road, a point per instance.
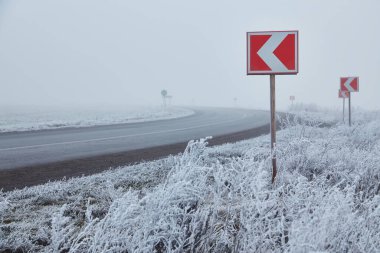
(28, 158)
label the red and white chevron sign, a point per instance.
(350, 84)
(344, 94)
(272, 53)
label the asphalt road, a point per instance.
(29, 158)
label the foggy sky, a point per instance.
(84, 52)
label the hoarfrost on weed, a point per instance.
(326, 199)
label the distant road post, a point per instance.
(349, 84)
(272, 53)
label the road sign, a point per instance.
(350, 84)
(164, 94)
(344, 94)
(273, 52)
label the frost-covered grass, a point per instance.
(326, 199)
(312, 112)
(24, 118)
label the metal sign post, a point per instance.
(272, 53)
(344, 95)
(164, 94)
(292, 98)
(273, 125)
(349, 84)
(343, 107)
(349, 110)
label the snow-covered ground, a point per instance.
(326, 199)
(38, 118)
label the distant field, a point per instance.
(39, 118)
(326, 199)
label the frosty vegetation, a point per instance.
(313, 112)
(326, 199)
(40, 118)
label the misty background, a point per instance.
(120, 52)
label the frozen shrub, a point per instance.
(326, 198)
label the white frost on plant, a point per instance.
(326, 199)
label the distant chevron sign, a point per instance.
(350, 84)
(272, 53)
(344, 94)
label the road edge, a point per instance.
(39, 174)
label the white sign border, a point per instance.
(269, 72)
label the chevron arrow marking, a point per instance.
(350, 84)
(347, 84)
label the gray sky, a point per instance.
(124, 52)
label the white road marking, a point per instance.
(116, 137)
